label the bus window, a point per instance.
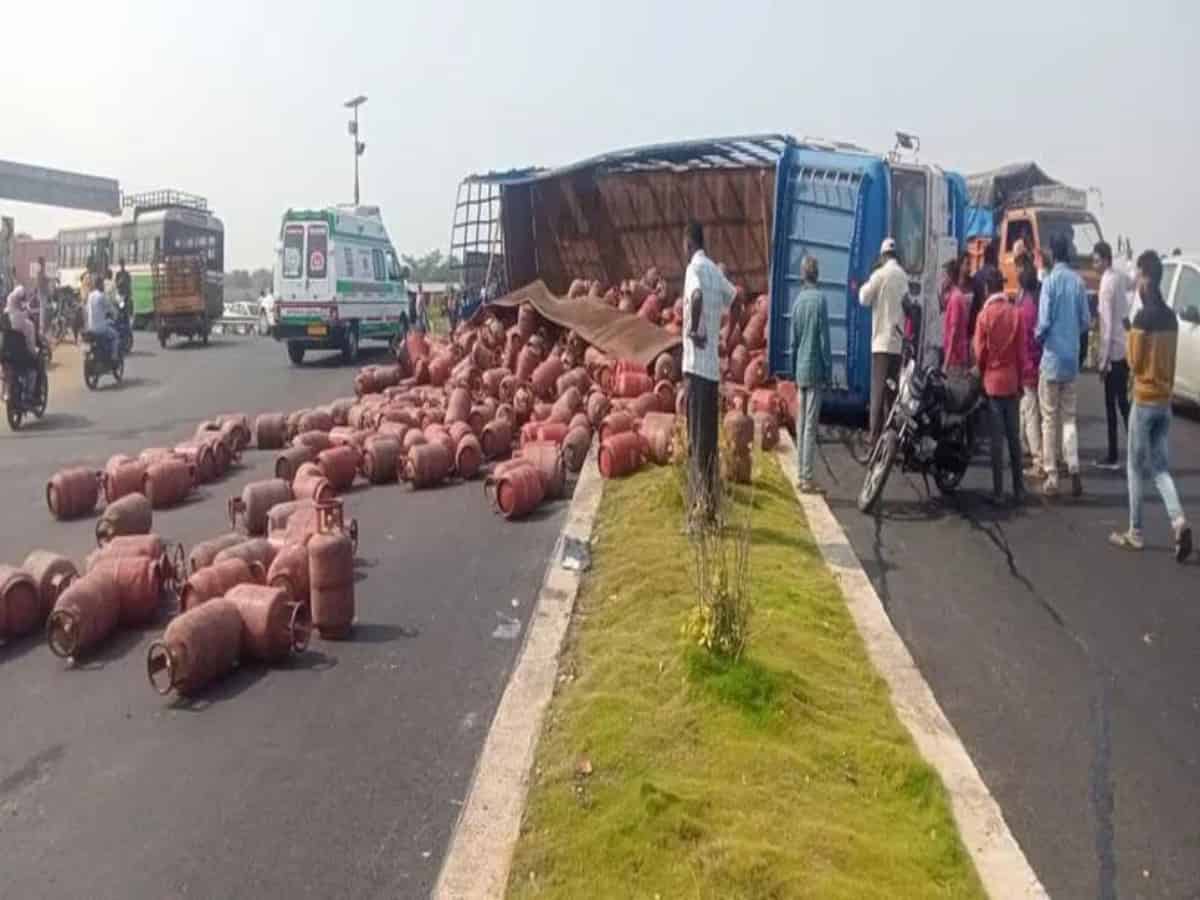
(318, 241)
(908, 218)
(377, 263)
(293, 251)
(348, 258)
(393, 267)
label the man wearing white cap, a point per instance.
(884, 293)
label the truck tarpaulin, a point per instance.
(620, 335)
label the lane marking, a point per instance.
(999, 859)
(481, 847)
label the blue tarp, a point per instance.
(981, 222)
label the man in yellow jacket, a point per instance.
(1151, 349)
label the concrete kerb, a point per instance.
(998, 858)
(480, 854)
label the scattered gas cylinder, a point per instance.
(381, 454)
(621, 454)
(122, 475)
(215, 579)
(766, 430)
(547, 458)
(131, 514)
(22, 607)
(202, 456)
(270, 431)
(141, 583)
(315, 420)
(203, 553)
(290, 571)
(615, 423)
(280, 516)
(340, 465)
(254, 550)
(168, 482)
(123, 545)
(256, 501)
(427, 465)
(575, 447)
(739, 427)
(310, 483)
(516, 491)
(273, 623)
(52, 574)
(198, 647)
(468, 457)
(496, 440)
(632, 384)
(289, 461)
(331, 580)
(72, 493)
(85, 614)
(314, 440)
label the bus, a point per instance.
(152, 226)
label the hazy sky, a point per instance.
(241, 101)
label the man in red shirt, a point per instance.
(1000, 356)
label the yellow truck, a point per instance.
(179, 307)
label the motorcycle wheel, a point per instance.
(878, 471)
(118, 369)
(90, 376)
(15, 415)
(43, 395)
(860, 446)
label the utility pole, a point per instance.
(359, 146)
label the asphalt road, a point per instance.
(338, 775)
(1070, 669)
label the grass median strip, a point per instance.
(666, 771)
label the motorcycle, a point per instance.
(98, 361)
(931, 428)
(27, 393)
(124, 330)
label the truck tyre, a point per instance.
(350, 344)
(295, 353)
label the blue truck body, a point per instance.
(766, 201)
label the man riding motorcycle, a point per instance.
(100, 312)
(20, 341)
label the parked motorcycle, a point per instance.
(27, 393)
(931, 429)
(98, 361)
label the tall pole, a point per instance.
(359, 146)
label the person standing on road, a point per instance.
(956, 346)
(706, 294)
(812, 364)
(99, 313)
(1000, 355)
(1031, 416)
(979, 292)
(1114, 371)
(1152, 347)
(885, 293)
(1063, 316)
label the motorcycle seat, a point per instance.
(962, 393)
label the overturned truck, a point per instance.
(765, 202)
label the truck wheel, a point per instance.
(162, 339)
(295, 353)
(350, 344)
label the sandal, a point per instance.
(1127, 540)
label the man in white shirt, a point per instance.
(1113, 309)
(99, 311)
(706, 294)
(884, 293)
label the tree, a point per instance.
(431, 267)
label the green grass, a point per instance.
(785, 774)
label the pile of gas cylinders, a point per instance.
(509, 398)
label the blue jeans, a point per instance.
(1149, 429)
(807, 417)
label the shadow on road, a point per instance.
(51, 422)
(378, 633)
(137, 381)
(15, 648)
(237, 682)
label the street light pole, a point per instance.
(359, 146)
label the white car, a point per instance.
(1181, 288)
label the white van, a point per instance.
(1181, 289)
(338, 282)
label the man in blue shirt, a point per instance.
(1063, 315)
(812, 366)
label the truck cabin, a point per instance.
(1036, 227)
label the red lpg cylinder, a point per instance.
(198, 647)
(517, 491)
(203, 553)
(290, 571)
(168, 482)
(256, 501)
(22, 608)
(621, 454)
(85, 614)
(122, 475)
(52, 574)
(131, 514)
(217, 578)
(331, 581)
(72, 493)
(340, 466)
(273, 623)
(142, 583)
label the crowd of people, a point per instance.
(1027, 349)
